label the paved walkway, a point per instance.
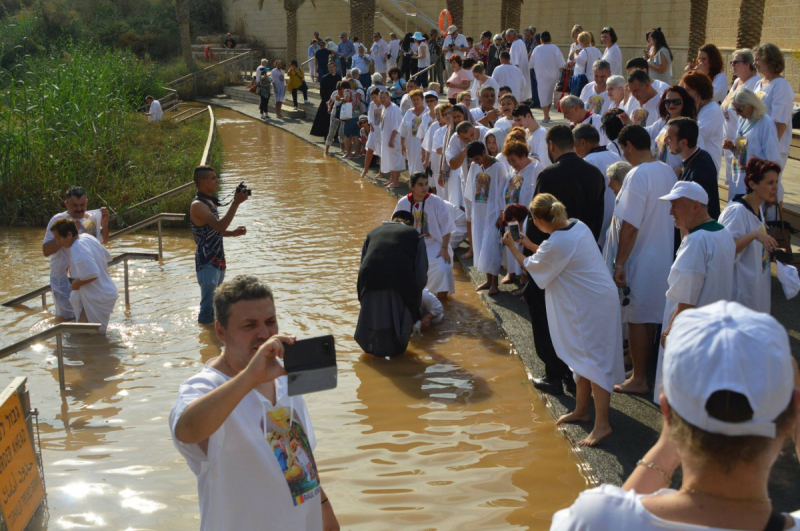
(636, 420)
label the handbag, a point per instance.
(252, 88)
(346, 111)
(781, 231)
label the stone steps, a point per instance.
(307, 112)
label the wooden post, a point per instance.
(160, 248)
(60, 353)
(44, 300)
(127, 295)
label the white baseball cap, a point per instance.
(452, 28)
(687, 189)
(727, 347)
(431, 93)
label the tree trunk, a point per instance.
(510, 15)
(751, 21)
(291, 35)
(697, 27)
(456, 9)
(182, 14)
(362, 20)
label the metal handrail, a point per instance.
(185, 118)
(208, 69)
(57, 330)
(124, 257)
(416, 13)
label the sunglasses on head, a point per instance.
(673, 103)
(737, 110)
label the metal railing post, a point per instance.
(60, 354)
(127, 295)
(44, 301)
(160, 248)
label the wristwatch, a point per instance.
(618, 266)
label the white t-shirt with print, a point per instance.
(259, 471)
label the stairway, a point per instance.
(220, 53)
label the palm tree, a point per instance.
(182, 14)
(751, 21)
(291, 7)
(362, 19)
(697, 27)
(456, 9)
(510, 14)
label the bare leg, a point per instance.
(83, 318)
(468, 254)
(509, 278)
(546, 111)
(640, 340)
(442, 296)
(581, 413)
(395, 180)
(602, 428)
(278, 109)
(367, 162)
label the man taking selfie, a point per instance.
(249, 443)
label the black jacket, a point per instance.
(577, 184)
(700, 168)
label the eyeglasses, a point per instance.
(734, 63)
(737, 110)
(673, 103)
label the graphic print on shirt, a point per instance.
(595, 104)
(740, 154)
(661, 149)
(415, 123)
(421, 222)
(764, 253)
(292, 449)
(482, 183)
(378, 116)
(640, 116)
(761, 95)
(514, 188)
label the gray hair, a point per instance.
(241, 288)
(571, 102)
(355, 72)
(377, 79)
(616, 81)
(601, 64)
(586, 132)
(76, 192)
(511, 31)
(745, 96)
(747, 56)
(264, 62)
(618, 171)
(498, 37)
(532, 29)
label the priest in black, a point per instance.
(393, 273)
(698, 166)
(327, 86)
(581, 187)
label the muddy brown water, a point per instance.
(449, 436)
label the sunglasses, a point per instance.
(673, 103)
(734, 63)
(625, 292)
(606, 30)
(737, 110)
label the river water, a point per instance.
(449, 436)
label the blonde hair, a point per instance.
(435, 87)
(547, 208)
(461, 95)
(576, 27)
(517, 133)
(584, 38)
(745, 96)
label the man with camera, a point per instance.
(248, 442)
(208, 230)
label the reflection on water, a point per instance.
(449, 435)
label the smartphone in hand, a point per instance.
(513, 227)
(310, 365)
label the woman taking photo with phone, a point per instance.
(578, 288)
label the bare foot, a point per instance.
(392, 186)
(573, 417)
(494, 290)
(597, 435)
(508, 279)
(468, 254)
(363, 175)
(517, 293)
(485, 285)
(631, 387)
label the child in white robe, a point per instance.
(93, 292)
(433, 220)
(486, 184)
(579, 291)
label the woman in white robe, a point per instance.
(485, 187)
(519, 189)
(409, 127)
(581, 296)
(94, 294)
(547, 61)
(756, 136)
(744, 219)
(392, 159)
(433, 220)
(745, 76)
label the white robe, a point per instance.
(596, 121)
(647, 268)
(378, 53)
(429, 304)
(435, 159)
(613, 55)
(702, 274)
(602, 160)
(519, 189)
(485, 188)
(519, 58)
(778, 96)
(712, 130)
(731, 120)
(752, 279)
(89, 259)
(509, 76)
(585, 61)
(409, 128)
(537, 146)
(583, 303)
(432, 219)
(753, 139)
(391, 157)
(460, 219)
(476, 87)
(658, 137)
(374, 114)
(547, 62)
(437, 144)
(643, 115)
(594, 102)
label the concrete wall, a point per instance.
(630, 19)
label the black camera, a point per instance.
(242, 187)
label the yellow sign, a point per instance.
(21, 489)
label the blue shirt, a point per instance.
(362, 63)
(347, 48)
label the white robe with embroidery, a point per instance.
(485, 187)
